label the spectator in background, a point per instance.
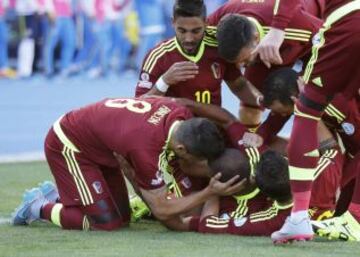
(212, 5)
(110, 36)
(62, 29)
(86, 42)
(5, 71)
(120, 42)
(168, 11)
(29, 22)
(152, 26)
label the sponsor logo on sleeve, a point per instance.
(145, 81)
(348, 128)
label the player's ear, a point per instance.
(257, 37)
(180, 150)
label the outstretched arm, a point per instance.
(245, 91)
(213, 112)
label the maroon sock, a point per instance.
(70, 217)
(302, 157)
(354, 209)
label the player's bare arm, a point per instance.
(245, 91)
(211, 207)
(212, 112)
(178, 72)
(164, 208)
(269, 47)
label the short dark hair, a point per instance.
(234, 32)
(280, 85)
(231, 163)
(201, 137)
(189, 8)
(272, 176)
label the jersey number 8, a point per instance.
(130, 104)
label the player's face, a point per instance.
(246, 57)
(282, 109)
(189, 33)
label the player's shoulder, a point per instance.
(159, 51)
(210, 36)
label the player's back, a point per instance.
(122, 125)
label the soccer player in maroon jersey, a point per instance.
(238, 34)
(188, 65)
(82, 148)
(327, 73)
(271, 178)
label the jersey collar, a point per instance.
(191, 58)
(247, 196)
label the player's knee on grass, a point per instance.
(104, 215)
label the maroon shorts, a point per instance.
(85, 184)
(327, 182)
(337, 66)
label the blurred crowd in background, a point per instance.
(70, 37)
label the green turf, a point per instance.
(140, 240)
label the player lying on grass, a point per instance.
(82, 147)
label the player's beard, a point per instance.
(194, 47)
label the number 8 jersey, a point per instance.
(137, 129)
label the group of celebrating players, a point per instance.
(196, 166)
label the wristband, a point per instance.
(161, 85)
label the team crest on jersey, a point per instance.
(348, 128)
(158, 180)
(98, 187)
(216, 70)
(145, 81)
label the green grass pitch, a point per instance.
(140, 240)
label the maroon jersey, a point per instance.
(287, 10)
(205, 87)
(341, 115)
(234, 135)
(298, 33)
(261, 223)
(243, 205)
(344, 116)
(137, 129)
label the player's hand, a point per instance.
(229, 187)
(269, 47)
(180, 71)
(252, 140)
